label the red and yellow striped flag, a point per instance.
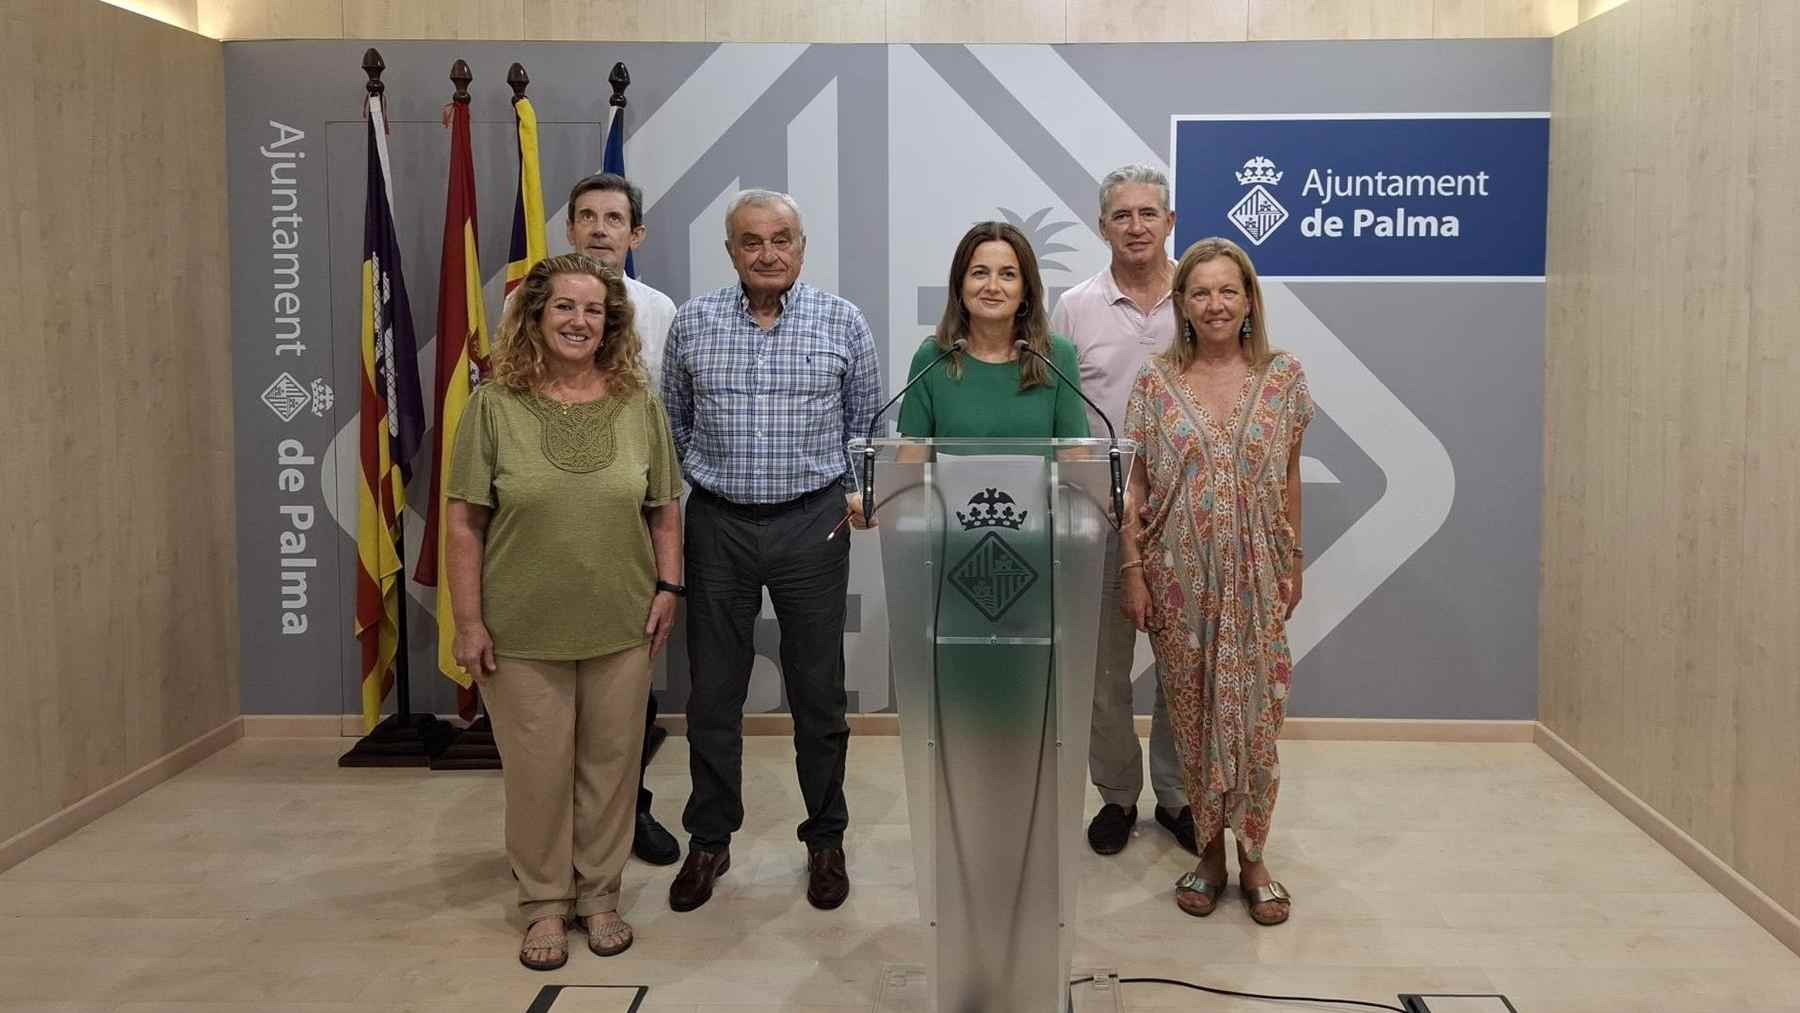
(392, 419)
(528, 243)
(462, 362)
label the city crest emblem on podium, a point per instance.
(993, 576)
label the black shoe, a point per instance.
(1180, 824)
(657, 846)
(1110, 830)
(693, 885)
(827, 881)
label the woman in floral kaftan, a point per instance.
(1212, 558)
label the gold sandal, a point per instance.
(619, 932)
(1191, 885)
(1257, 896)
(557, 944)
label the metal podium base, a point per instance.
(904, 989)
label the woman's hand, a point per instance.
(1292, 587)
(1134, 598)
(473, 649)
(661, 621)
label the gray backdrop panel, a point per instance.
(892, 151)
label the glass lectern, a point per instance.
(993, 552)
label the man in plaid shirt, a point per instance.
(765, 381)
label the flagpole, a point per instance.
(619, 79)
(402, 740)
(474, 748)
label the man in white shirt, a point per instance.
(606, 222)
(1118, 319)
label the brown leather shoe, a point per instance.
(827, 881)
(693, 885)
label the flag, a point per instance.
(462, 361)
(613, 160)
(392, 427)
(528, 245)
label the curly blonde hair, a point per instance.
(521, 355)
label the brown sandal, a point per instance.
(1201, 892)
(619, 932)
(557, 944)
(1257, 896)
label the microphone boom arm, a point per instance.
(1118, 470)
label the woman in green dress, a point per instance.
(991, 388)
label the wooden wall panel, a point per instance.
(272, 19)
(1159, 20)
(1503, 18)
(119, 608)
(1766, 778)
(180, 13)
(1340, 19)
(897, 21)
(795, 21)
(434, 19)
(1586, 9)
(959, 21)
(616, 20)
(1670, 651)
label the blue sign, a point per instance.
(1405, 196)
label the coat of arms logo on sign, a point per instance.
(992, 576)
(1259, 214)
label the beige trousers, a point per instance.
(571, 735)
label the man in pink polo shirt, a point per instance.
(1117, 319)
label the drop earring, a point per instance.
(1244, 331)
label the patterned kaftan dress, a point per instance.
(1218, 558)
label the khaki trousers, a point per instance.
(571, 734)
(1115, 757)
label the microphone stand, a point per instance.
(1118, 471)
(868, 458)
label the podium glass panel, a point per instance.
(993, 553)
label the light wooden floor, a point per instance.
(267, 880)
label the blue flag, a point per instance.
(613, 160)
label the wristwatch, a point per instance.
(678, 590)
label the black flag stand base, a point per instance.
(472, 748)
(401, 741)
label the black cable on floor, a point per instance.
(1247, 995)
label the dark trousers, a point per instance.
(733, 552)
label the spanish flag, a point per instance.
(462, 361)
(528, 245)
(392, 427)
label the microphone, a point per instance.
(1118, 471)
(868, 461)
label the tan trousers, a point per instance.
(570, 735)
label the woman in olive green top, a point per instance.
(991, 389)
(565, 562)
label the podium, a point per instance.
(993, 552)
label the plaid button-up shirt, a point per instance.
(763, 416)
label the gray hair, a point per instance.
(762, 199)
(1137, 172)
